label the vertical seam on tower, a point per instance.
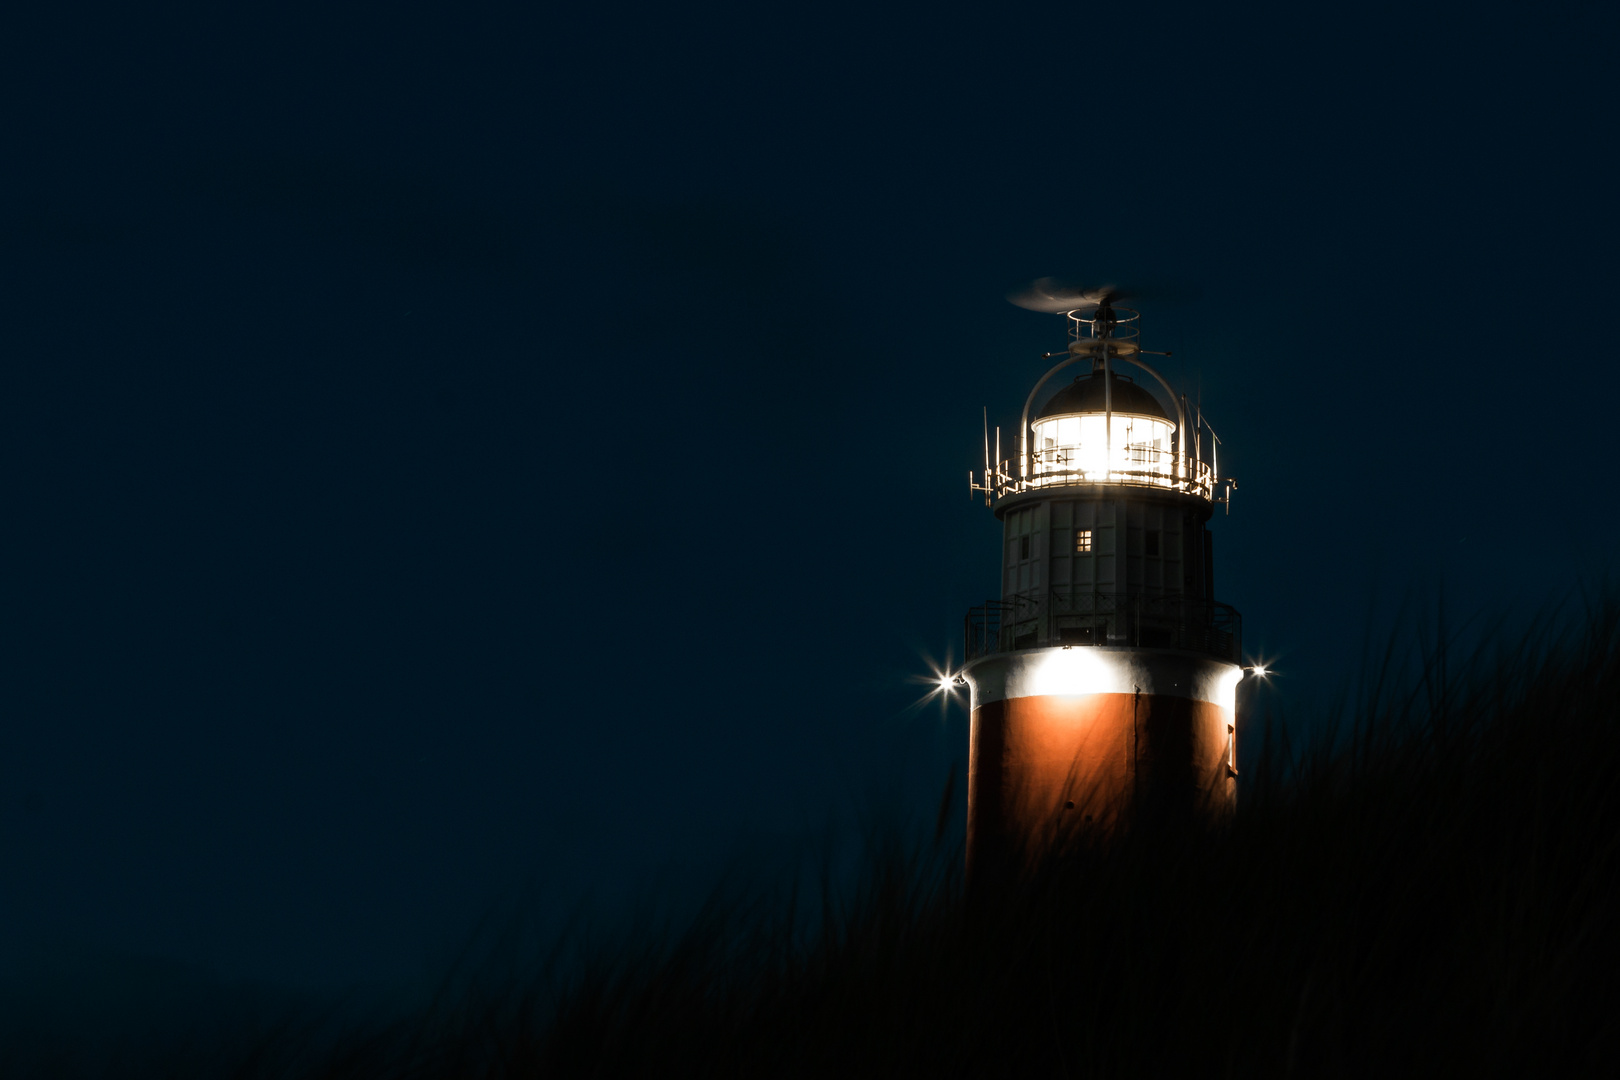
(1136, 741)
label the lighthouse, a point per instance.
(1103, 681)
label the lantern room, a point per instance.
(1103, 428)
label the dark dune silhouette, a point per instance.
(1429, 891)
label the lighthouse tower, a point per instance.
(1103, 681)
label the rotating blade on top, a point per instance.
(1059, 295)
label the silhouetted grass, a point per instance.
(1427, 889)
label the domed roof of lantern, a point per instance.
(1087, 394)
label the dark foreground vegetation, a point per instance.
(1429, 891)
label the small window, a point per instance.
(1023, 548)
(1150, 542)
(1082, 541)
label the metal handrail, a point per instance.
(1127, 326)
(1195, 477)
(1070, 618)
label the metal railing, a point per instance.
(1136, 466)
(1167, 470)
(1066, 618)
(1127, 325)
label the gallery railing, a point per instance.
(1170, 470)
(1062, 618)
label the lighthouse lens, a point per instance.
(1085, 448)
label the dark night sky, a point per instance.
(445, 450)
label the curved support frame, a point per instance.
(1181, 415)
(1023, 426)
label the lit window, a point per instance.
(1082, 540)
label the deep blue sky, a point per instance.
(444, 450)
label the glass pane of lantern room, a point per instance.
(1118, 458)
(1161, 450)
(1040, 455)
(1091, 457)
